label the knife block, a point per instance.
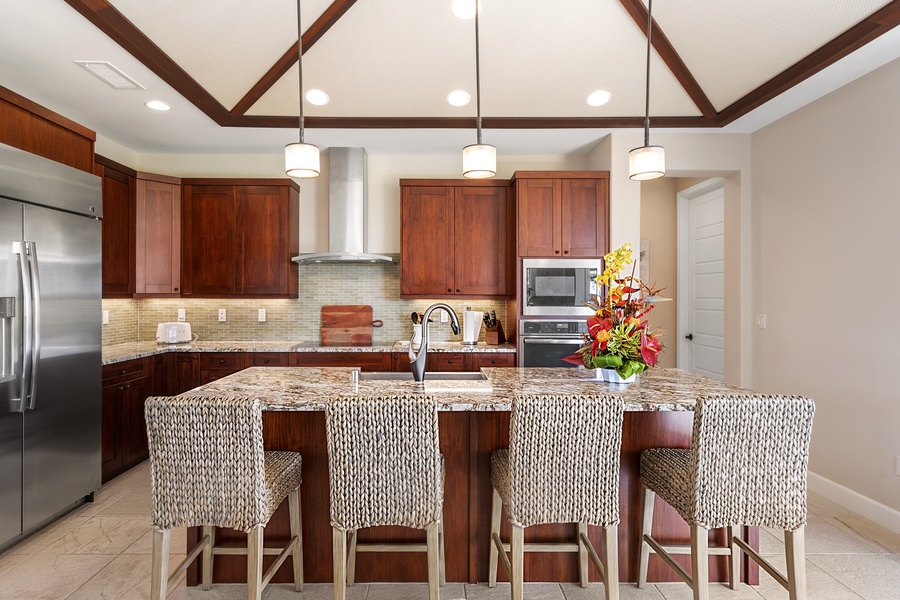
(493, 336)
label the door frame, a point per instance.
(683, 200)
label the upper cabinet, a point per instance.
(118, 228)
(238, 237)
(562, 213)
(158, 236)
(456, 239)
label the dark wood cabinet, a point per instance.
(562, 214)
(238, 238)
(366, 361)
(455, 361)
(216, 365)
(187, 371)
(158, 236)
(118, 228)
(164, 375)
(126, 386)
(456, 239)
(267, 359)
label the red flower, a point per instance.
(650, 348)
(596, 324)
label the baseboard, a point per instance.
(862, 505)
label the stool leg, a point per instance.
(582, 556)
(441, 548)
(496, 509)
(159, 578)
(351, 557)
(434, 565)
(734, 561)
(207, 556)
(517, 560)
(339, 558)
(611, 561)
(646, 529)
(297, 532)
(795, 553)
(254, 563)
(700, 562)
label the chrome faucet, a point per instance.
(417, 358)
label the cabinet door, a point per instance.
(585, 214)
(118, 229)
(109, 446)
(263, 240)
(158, 258)
(208, 241)
(266, 359)
(426, 241)
(366, 361)
(164, 381)
(187, 367)
(443, 362)
(134, 428)
(480, 232)
(216, 365)
(539, 217)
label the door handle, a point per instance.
(31, 248)
(689, 336)
(19, 249)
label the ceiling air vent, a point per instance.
(115, 78)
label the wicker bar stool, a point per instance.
(562, 466)
(385, 468)
(208, 468)
(746, 466)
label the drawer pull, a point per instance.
(123, 371)
(266, 361)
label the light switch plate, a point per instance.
(181, 314)
(760, 321)
(262, 315)
(106, 317)
(222, 317)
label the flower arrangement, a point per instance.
(618, 335)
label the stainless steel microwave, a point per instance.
(558, 287)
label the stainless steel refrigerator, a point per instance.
(49, 340)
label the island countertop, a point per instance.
(307, 388)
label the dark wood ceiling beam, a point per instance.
(877, 24)
(312, 35)
(469, 122)
(670, 56)
(122, 31)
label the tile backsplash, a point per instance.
(295, 320)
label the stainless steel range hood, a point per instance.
(348, 208)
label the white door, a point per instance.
(702, 279)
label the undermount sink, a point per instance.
(407, 376)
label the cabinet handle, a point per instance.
(556, 251)
(221, 361)
(450, 361)
(128, 387)
(176, 289)
(565, 252)
(121, 388)
(230, 289)
(493, 362)
(449, 290)
(457, 291)
(123, 371)
(266, 361)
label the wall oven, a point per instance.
(546, 343)
(558, 287)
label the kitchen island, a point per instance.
(474, 421)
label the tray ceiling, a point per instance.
(391, 63)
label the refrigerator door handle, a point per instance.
(19, 249)
(31, 396)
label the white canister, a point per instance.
(416, 342)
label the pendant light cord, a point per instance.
(300, 66)
(647, 97)
(477, 78)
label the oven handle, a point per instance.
(552, 341)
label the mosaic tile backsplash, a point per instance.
(290, 320)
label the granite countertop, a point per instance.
(128, 351)
(304, 388)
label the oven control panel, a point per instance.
(552, 327)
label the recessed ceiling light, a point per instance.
(317, 97)
(459, 98)
(157, 105)
(109, 74)
(599, 98)
(464, 9)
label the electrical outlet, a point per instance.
(898, 465)
(760, 321)
(445, 318)
(106, 317)
(181, 316)
(222, 317)
(262, 315)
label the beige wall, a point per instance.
(825, 220)
(659, 226)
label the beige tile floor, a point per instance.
(101, 551)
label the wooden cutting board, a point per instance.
(347, 325)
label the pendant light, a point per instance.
(479, 160)
(647, 162)
(301, 160)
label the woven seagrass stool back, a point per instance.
(562, 466)
(747, 465)
(385, 468)
(208, 469)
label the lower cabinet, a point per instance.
(124, 433)
(216, 365)
(366, 361)
(443, 362)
